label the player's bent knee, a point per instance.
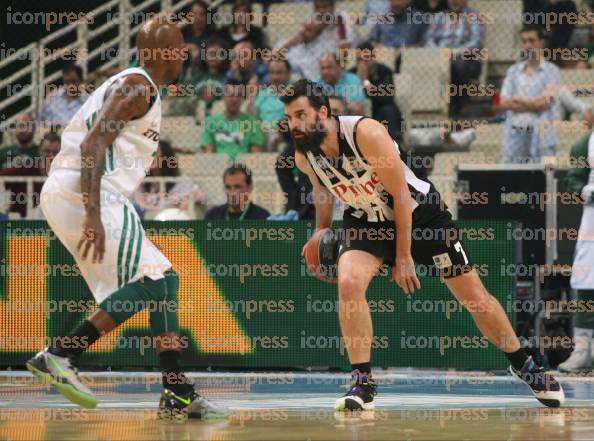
(351, 287)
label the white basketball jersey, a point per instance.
(128, 159)
(352, 179)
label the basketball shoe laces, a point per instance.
(537, 377)
(362, 384)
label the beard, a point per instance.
(24, 138)
(311, 139)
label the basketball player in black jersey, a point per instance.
(355, 159)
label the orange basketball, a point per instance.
(321, 254)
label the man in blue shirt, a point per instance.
(534, 98)
(397, 29)
(344, 84)
(461, 29)
(60, 106)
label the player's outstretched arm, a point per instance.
(126, 99)
(378, 148)
(322, 198)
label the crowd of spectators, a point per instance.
(234, 77)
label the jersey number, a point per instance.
(151, 134)
(458, 247)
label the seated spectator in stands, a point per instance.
(527, 95)
(431, 6)
(379, 88)
(403, 28)
(201, 29)
(59, 107)
(232, 131)
(461, 30)
(243, 28)
(25, 150)
(237, 180)
(562, 31)
(267, 105)
(373, 10)
(149, 197)
(31, 166)
(344, 84)
(305, 48)
(205, 76)
(152, 197)
(337, 27)
(247, 67)
(338, 105)
(586, 63)
(324, 32)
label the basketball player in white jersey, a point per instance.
(106, 150)
(387, 210)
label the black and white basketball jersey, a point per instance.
(351, 178)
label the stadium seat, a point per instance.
(446, 163)
(489, 139)
(204, 164)
(181, 132)
(288, 19)
(268, 193)
(504, 23)
(580, 83)
(446, 187)
(261, 164)
(568, 133)
(422, 83)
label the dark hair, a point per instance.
(366, 45)
(200, 61)
(239, 168)
(210, 26)
(168, 166)
(281, 60)
(51, 137)
(337, 97)
(534, 28)
(240, 3)
(73, 68)
(200, 3)
(314, 92)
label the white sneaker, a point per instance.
(581, 358)
(60, 373)
(463, 138)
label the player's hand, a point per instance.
(93, 235)
(405, 275)
(303, 249)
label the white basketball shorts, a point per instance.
(129, 254)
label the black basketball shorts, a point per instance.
(436, 246)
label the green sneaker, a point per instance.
(175, 407)
(59, 372)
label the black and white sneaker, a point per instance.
(544, 386)
(180, 408)
(360, 395)
(60, 373)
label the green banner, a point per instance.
(246, 300)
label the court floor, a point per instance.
(411, 405)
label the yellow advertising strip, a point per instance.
(202, 309)
(23, 313)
